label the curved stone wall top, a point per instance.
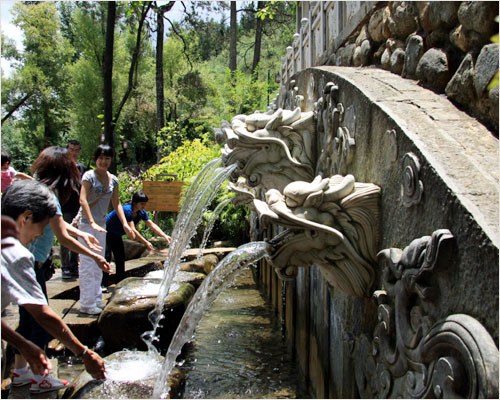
(460, 150)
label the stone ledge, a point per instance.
(444, 135)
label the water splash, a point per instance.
(211, 222)
(132, 366)
(214, 283)
(199, 195)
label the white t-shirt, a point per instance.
(100, 209)
(19, 285)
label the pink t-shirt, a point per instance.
(7, 177)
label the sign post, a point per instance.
(163, 195)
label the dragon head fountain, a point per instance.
(331, 222)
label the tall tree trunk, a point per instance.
(233, 38)
(133, 64)
(107, 73)
(160, 95)
(258, 40)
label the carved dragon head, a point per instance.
(332, 223)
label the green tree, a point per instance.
(40, 88)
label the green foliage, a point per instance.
(186, 161)
(233, 221)
(60, 73)
(42, 73)
(21, 153)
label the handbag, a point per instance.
(79, 215)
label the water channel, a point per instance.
(238, 350)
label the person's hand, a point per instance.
(130, 233)
(168, 238)
(150, 246)
(9, 229)
(102, 263)
(97, 227)
(91, 242)
(94, 365)
(37, 359)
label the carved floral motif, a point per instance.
(410, 355)
(336, 146)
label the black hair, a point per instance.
(103, 150)
(28, 195)
(139, 197)
(5, 157)
(74, 143)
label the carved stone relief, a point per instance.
(409, 354)
(270, 149)
(392, 139)
(333, 223)
(412, 187)
(336, 143)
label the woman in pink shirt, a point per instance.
(9, 173)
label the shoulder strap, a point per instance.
(104, 190)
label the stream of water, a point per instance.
(208, 291)
(199, 195)
(239, 351)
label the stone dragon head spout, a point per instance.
(270, 149)
(331, 222)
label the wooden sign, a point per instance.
(163, 196)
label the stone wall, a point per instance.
(438, 172)
(444, 45)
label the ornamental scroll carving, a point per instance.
(412, 187)
(331, 222)
(412, 356)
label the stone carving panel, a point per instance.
(331, 222)
(412, 356)
(336, 143)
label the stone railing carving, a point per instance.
(410, 356)
(270, 149)
(332, 223)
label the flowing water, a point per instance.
(208, 291)
(199, 195)
(210, 225)
(239, 350)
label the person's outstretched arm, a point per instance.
(34, 355)
(58, 225)
(156, 229)
(117, 205)
(54, 325)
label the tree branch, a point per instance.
(183, 42)
(134, 62)
(16, 106)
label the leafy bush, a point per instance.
(186, 162)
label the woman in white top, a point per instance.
(99, 187)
